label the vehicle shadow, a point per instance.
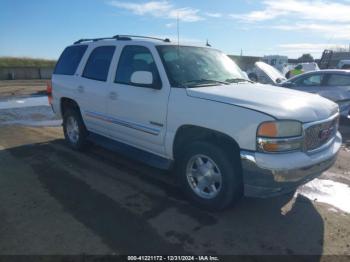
(157, 219)
(344, 129)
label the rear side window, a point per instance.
(339, 80)
(97, 66)
(69, 60)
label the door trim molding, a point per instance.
(136, 126)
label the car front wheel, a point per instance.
(209, 176)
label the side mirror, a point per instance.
(142, 78)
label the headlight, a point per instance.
(280, 136)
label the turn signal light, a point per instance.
(268, 129)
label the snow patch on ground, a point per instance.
(29, 111)
(20, 102)
(330, 192)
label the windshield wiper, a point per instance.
(201, 82)
(237, 80)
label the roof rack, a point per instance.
(92, 39)
(120, 38)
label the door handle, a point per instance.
(80, 89)
(113, 95)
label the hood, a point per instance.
(272, 73)
(281, 103)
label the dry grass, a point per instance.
(22, 87)
(25, 62)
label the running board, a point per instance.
(130, 151)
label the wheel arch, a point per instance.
(190, 133)
(68, 103)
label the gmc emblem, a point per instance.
(326, 133)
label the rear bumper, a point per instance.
(267, 175)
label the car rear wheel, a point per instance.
(210, 176)
(74, 129)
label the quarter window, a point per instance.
(97, 66)
(136, 58)
(339, 80)
(69, 60)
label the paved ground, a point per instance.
(58, 201)
(22, 87)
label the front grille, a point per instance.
(319, 134)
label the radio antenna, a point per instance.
(178, 41)
(178, 29)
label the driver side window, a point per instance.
(136, 58)
(313, 80)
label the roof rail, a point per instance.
(129, 37)
(121, 38)
(92, 39)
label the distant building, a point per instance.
(277, 61)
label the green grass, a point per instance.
(25, 62)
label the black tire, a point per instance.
(232, 182)
(81, 142)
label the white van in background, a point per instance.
(307, 67)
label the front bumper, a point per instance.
(267, 175)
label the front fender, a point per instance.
(236, 122)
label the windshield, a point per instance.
(188, 66)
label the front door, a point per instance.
(312, 83)
(138, 112)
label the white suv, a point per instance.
(164, 103)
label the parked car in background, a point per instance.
(301, 68)
(308, 67)
(344, 64)
(331, 83)
(265, 74)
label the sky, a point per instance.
(43, 28)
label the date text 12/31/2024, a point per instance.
(173, 258)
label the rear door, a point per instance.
(139, 112)
(93, 89)
(337, 86)
(64, 78)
